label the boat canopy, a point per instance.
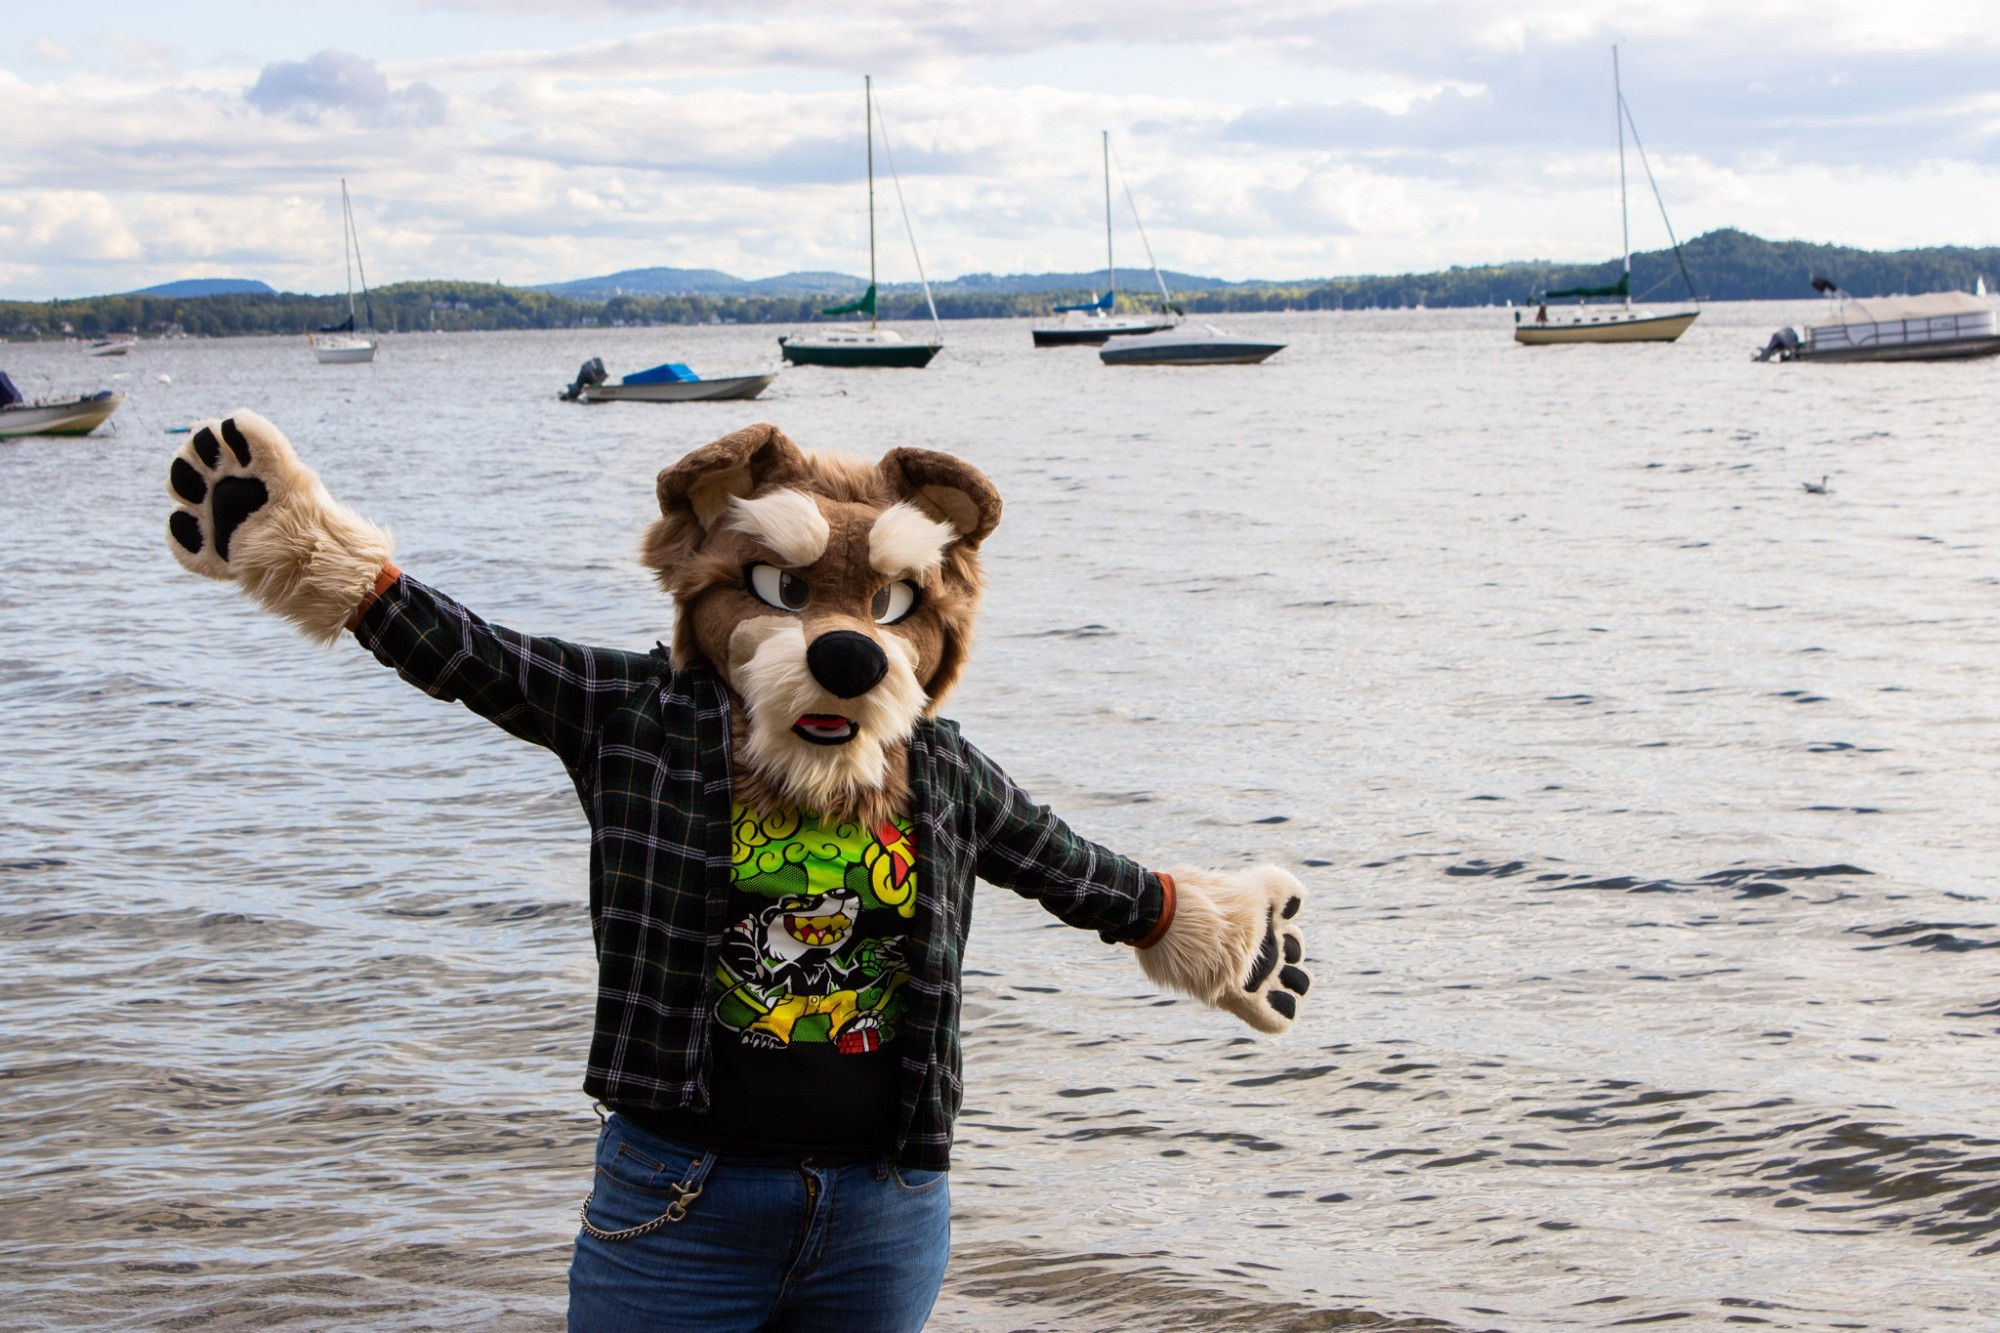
(1890, 309)
(9, 395)
(1622, 287)
(861, 305)
(673, 372)
(1104, 303)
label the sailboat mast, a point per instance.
(1110, 265)
(1624, 218)
(347, 249)
(868, 123)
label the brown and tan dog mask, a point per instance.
(834, 597)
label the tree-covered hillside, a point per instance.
(1725, 265)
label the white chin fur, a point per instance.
(778, 689)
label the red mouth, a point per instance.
(824, 729)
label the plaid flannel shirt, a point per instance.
(647, 747)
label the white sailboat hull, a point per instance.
(1621, 328)
(340, 351)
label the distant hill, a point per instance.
(712, 282)
(207, 287)
(1724, 265)
(702, 282)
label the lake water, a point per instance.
(1647, 801)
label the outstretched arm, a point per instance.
(1231, 940)
(247, 511)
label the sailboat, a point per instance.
(339, 342)
(1617, 324)
(1099, 320)
(877, 346)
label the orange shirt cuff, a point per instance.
(385, 579)
(1159, 930)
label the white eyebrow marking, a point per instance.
(786, 521)
(906, 540)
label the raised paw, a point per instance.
(226, 473)
(1233, 942)
(1277, 979)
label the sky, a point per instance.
(503, 140)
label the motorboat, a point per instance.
(670, 382)
(1098, 321)
(1612, 324)
(876, 346)
(1936, 326)
(340, 344)
(1211, 347)
(70, 416)
(109, 346)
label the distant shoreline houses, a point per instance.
(1727, 265)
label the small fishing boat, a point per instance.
(1616, 324)
(878, 347)
(1937, 326)
(109, 346)
(1099, 320)
(71, 416)
(670, 382)
(1211, 347)
(340, 344)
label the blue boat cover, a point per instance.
(673, 372)
(9, 395)
(1101, 303)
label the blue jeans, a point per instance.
(678, 1238)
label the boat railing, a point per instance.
(1902, 332)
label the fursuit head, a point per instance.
(834, 596)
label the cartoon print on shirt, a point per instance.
(805, 969)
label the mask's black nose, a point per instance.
(846, 663)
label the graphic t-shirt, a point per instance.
(807, 1009)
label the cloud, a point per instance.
(1283, 138)
(335, 82)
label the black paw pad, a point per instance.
(236, 498)
(188, 483)
(206, 449)
(237, 444)
(1283, 1003)
(1267, 961)
(1293, 949)
(1294, 979)
(1292, 906)
(186, 531)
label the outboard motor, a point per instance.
(589, 376)
(1784, 345)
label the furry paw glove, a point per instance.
(248, 511)
(1233, 944)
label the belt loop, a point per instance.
(602, 1118)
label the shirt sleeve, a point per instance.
(539, 689)
(1024, 847)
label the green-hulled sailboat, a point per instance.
(850, 345)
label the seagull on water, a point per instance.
(1817, 487)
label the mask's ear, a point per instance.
(949, 489)
(736, 466)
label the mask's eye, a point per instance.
(894, 602)
(774, 587)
